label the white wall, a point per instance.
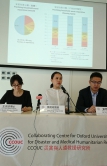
(38, 80)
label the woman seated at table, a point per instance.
(55, 95)
(17, 95)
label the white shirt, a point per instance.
(54, 97)
(94, 96)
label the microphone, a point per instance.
(39, 97)
(64, 90)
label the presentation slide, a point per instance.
(50, 34)
(58, 35)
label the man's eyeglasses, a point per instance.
(16, 85)
(95, 82)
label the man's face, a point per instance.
(95, 84)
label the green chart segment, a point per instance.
(24, 25)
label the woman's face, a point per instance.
(57, 81)
(16, 86)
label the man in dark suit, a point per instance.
(92, 96)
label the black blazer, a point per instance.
(85, 99)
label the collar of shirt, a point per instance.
(94, 94)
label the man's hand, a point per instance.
(92, 109)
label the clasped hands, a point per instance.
(92, 109)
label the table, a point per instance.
(31, 139)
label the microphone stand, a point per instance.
(68, 112)
(68, 105)
(76, 107)
(38, 103)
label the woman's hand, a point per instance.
(25, 109)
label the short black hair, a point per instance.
(16, 77)
(96, 74)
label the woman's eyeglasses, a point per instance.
(18, 85)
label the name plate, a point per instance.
(101, 110)
(10, 108)
(54, 109)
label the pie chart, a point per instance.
(24, 25)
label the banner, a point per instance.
(53, 140)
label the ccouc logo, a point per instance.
(11, 141)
